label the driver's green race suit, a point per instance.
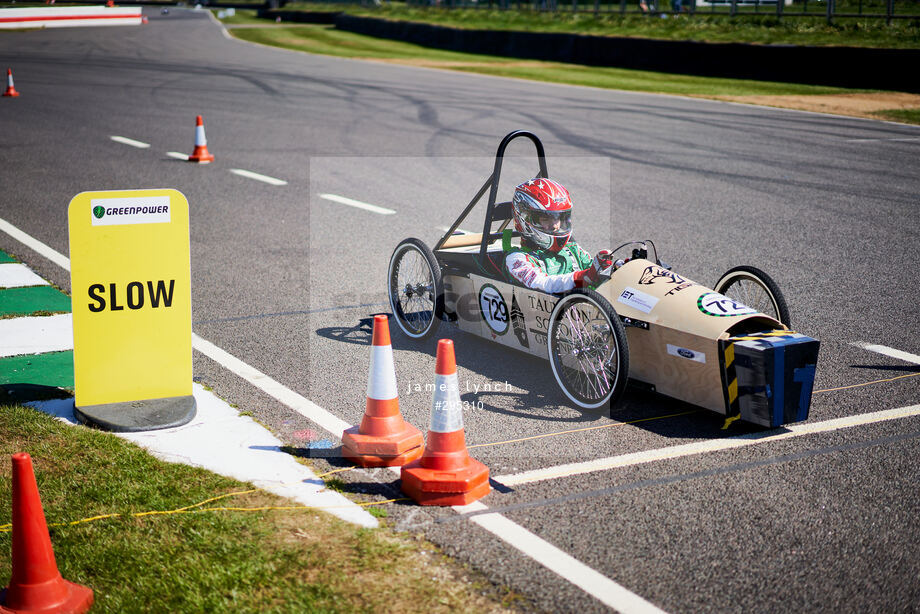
(548, 271)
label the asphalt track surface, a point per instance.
(287, 282)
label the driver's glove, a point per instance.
(600, 270)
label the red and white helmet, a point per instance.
(543, 213)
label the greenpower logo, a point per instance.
(98, 211)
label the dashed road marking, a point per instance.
(357, 203)
(700, 447)
(258, 177)
(890, 352)
(177, 155)
(126, 141)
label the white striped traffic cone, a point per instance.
(201, 153)
(445, 474)
(10, 90)
(383, 439)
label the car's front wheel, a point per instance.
(415, 289)
(588, 350)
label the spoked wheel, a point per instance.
(588, 349)
(415, 289)
(754, 288)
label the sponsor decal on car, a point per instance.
(655, 273)
(638, 300)
(719, 305)
(693, 355)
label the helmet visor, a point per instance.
(556, 223)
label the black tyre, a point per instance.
(415, 289)
(587, 349)
(754, 288)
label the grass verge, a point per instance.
(212, 561)
(329, 41)
(761, 28)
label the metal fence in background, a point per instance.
(830, 10)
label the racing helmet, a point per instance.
(543, 213)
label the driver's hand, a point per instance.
(600, 270)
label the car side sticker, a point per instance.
(693, 355)
(494, 309)
(638, 300)
(655, 273)
(715, 304)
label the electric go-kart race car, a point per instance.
(728, 349)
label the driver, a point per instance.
(548, 259)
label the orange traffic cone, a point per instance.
(10, 90)
(36, 584)
(201, 153)
(110, 3)
(383, 439)
(445, 474)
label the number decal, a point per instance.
(494, 309)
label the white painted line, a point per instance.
(516, 536)
(36, 335)
(279, 391)
(125, 140)
(177, 155)
(357, 203)
(264, 178)
(701, 447)
(559, 562)
(16, 275)
(880, 140)
(891, 352)
(35, 245)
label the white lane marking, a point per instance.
(264, 178)
(36, 335)
(16, 275)
(891, 352)
(273, 388)
(357, 203)
(125, 140)
(881, 140)
(35, 245)
(700, 447)
(530, 545)
(177, 155)
(559, 562)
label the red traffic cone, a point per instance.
(110, 3)
(383, 439)
(10, 90)
(445, 474)
(201, 153)
(36, 584)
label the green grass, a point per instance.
(329, 41)
(908, 116)
(703, 26)
(219, 561)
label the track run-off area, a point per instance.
(323, 165)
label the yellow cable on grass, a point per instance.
(190, 509)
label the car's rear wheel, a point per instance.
(754, 288)
(587, 349)
(415, 289)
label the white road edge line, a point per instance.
(357, 203)
(126, 141)
(251, 175)
(35, 245)
(537, 549)
(177, 155)
(559, 562)
(890, 352)
(700, 447)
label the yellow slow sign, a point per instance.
(131, 294)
